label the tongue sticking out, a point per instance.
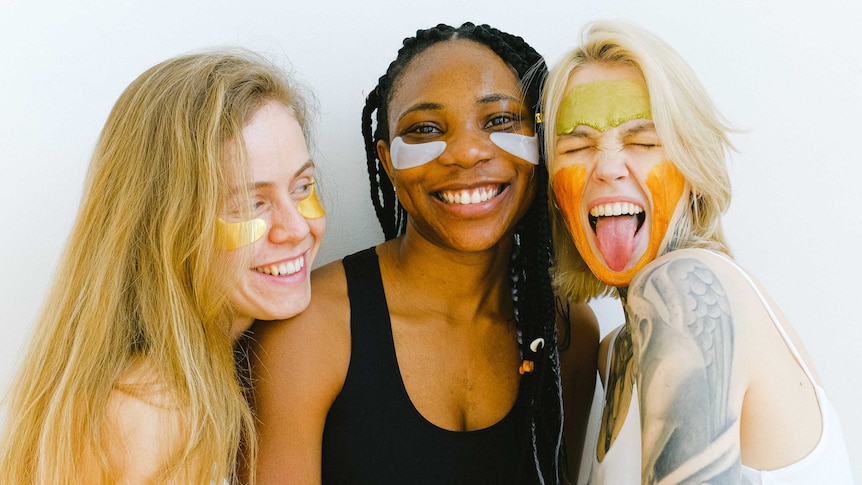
(615, 236)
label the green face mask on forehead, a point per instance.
(602, 105)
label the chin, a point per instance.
(291, 306)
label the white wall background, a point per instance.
(787, 72)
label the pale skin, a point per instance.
(717, 387)
(142, 429)
(143, 423)
(455, 338)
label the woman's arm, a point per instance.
(578, 372)
(684, 344)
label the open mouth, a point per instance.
(470, 196)
(617, 209)
(616, 226)
(283, 269)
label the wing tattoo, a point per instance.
(680, 315)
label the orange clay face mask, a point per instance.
(666, 184)
(603, 105)
(233, 235)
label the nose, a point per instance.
(467, 148)
(611, 165)
(287, 225)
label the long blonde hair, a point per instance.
(693, 135)
(142, 280)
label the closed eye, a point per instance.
(580, 140)
(575, 145)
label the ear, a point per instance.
(386, 160)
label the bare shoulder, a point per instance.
(298, 367)
(681, 282)
(578, 330)
(143, 427)
(322, 329)
(705, 265)
(716, 284)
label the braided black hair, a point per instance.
(540, 392)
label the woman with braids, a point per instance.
(199, 216)
(706, 382)
(432, 358)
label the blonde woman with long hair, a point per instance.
(199, 216)
(706, 382)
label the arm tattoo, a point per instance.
(618, 392)
(683, 333)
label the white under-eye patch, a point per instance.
(522, 146)
(405, 155)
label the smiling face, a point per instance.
(286, 226)
(461, 189)
(613, 184)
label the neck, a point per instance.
(623, 292)
(240, 325)
(456, 285)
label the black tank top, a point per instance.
(374, 434)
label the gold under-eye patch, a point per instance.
(310, 207)
(602, 105)
(233, 235)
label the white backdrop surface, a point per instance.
(787, 73)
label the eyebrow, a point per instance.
(496, 97)
(420, 107)
(487, 99)
(580, 133)
(641, 126)
(266, 183)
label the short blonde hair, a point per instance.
(693, 135)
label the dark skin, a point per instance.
(455, 337)
(578, 371)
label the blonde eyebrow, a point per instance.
(579, 133)
(305, 166)
(641, 126)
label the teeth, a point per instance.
(282, 269)
(615, 209)
(465, 197)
